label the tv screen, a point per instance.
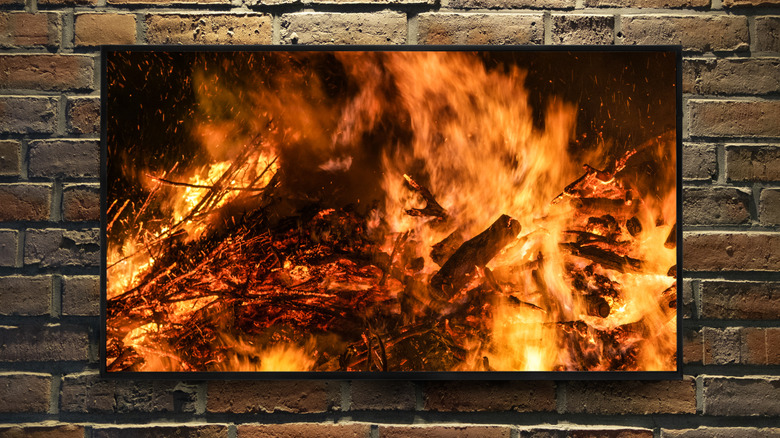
(411, 212)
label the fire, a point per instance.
(426, 217)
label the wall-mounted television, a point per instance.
(413, 212)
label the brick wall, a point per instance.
(49, 258)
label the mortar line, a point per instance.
(412, 28)
(547, 27)
(55, 309)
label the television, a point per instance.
(410, 212)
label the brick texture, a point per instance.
(444, 431)
(660, 4)
(726, 251)
(752, 76)
(768, 34)
(752, 163)
(279, 396)
(9, 240)
(23, 29)
(30, 431)
(25, 295)
(80, 295)
(24, 392)
(58, 247)
(721, 432)
(81, 202)
(47, 72)
(28, 114)
(50, 342)
(769, 207)
(382, 395)
(168, 2)
(478, 28)
(740, 300)
(715, 33)
(621, 398)
(195, 431)
(208, 29)
(582, 29)
(489, 396)
(740, 3)
(716, 206)
(741, 396)
(83, 115)
(699, 162)
(67, 2)
(87, 392)
(337, 28)
(10, 157)
(30, 202)
(64, 158)
(304, 429)
(728, 118)
(93, 29)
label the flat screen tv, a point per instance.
(391, 212)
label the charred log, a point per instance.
(671, 240)
(432, 207)
(605, 258)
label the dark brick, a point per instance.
(25, 295)
(769, 207)
(59, 431)
(57, 247)
(751, 76)
(144, 431)
(721, 346)
(28, 114)
(39, 343)
(752, 163)
(10, 157)
(731, 251)
(23, 29)
(382, 395)
(740, 300)
(80, 295)
(67, 2)
(714, 118)
(169, 2)
(64, 158)
(440, 431)
(81, 202)
(767, 34)
(209, 29)
(721, 432)
(611, 433)
(339, 28)
(479, 28)
(631, 397)
(716, 206)
(698, 33)
(741, 396)
(742, 3)
(296, 430)
(582, 29)
(693, 348)
(9, 239)
(83, 115)
(476, 396)
(512, 4)
(47, 72)
(24, 392)
(88, 393)
(25, 202)
(699, 162)
(273, 396)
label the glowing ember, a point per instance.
(397, 211)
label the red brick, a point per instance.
(752, 163)
(81, 202)
(479, 28)
(295, 430)
(59, 431)
(769, 207)
(208, 29)
(436, 431)
(28, 114)
(721, 432)
(47, 72)
(741, 3)
(631, 397)
(80, 295)
(10, 151)
(741, 396)
(611, 433)
(93, 29)
(273, 396)
(64, 158)
(734, 76)
(23, 29)
(512, 4)
(24, 392)
(716, 206)
(88, 393)
(693, 349)
(740, 300)
(25, 295)
(699, 162)
(714, 118)
(582, 29)
(57, 247)
(144, 431)
(721, 346)
(25, 202)
(698, 33)
(38, 343)
(753, 346)
(731, 251)
(659, 4)
(83, 115)
(476, 396)
(767, 34)
(9, 240)
(382, 395)
(343, 28)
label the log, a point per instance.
(443, 250)
(596, 305)
(476, 252)
(633, 226)
(671, 240)
(432, 207)
(605, 258)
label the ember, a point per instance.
(390, 211)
